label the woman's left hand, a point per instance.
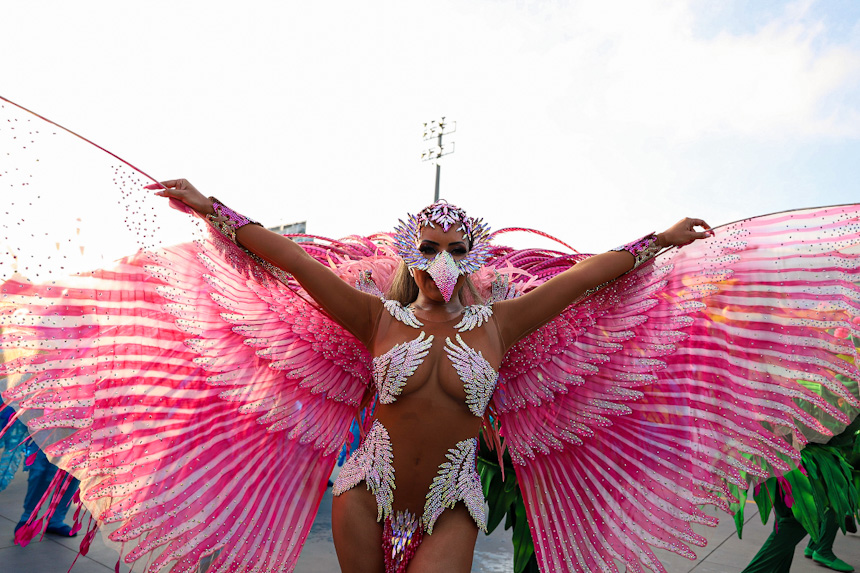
(684, 232)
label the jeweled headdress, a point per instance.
(443, 268)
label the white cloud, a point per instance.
(641, 67)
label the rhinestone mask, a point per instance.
(444, 272)
(443, 268)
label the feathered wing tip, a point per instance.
(708, 367)
(201, 403)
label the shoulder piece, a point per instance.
(474, 316)
(402, 313)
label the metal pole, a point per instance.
(438, 168)
(437, 128)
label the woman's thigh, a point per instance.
(356, 533)
(451, 546)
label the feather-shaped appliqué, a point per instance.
(456, 481)
(372, 463)
(392, 369)
(473, 317)
(404, 314)
(478, 376)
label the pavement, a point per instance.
(725, 553)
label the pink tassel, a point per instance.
(59, 491)
(78, 519)
(30, 459)
(34, 526)
(88, 537)
(26, 534)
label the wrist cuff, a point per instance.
(643, 249)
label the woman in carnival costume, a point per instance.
(435, 370)
(201, 390)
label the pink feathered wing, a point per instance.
(204, 411)
(201, 402)
(641, 401)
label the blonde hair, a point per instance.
(404, 290)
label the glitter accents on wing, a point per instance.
(371, 463)
(652, 391)
(391, 370)
(457, 480)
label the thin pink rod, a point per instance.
(66, 129)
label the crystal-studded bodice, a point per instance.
(434, 382)
(392, 369)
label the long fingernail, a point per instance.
(154, 186)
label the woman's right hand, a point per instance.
(184, 191)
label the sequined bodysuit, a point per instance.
(435, 455)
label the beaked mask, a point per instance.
(443, 269)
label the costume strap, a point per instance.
(643, 249)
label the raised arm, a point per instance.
(520, 316)
(354, 310)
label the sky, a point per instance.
(597, 122)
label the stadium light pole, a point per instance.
(435, 130)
